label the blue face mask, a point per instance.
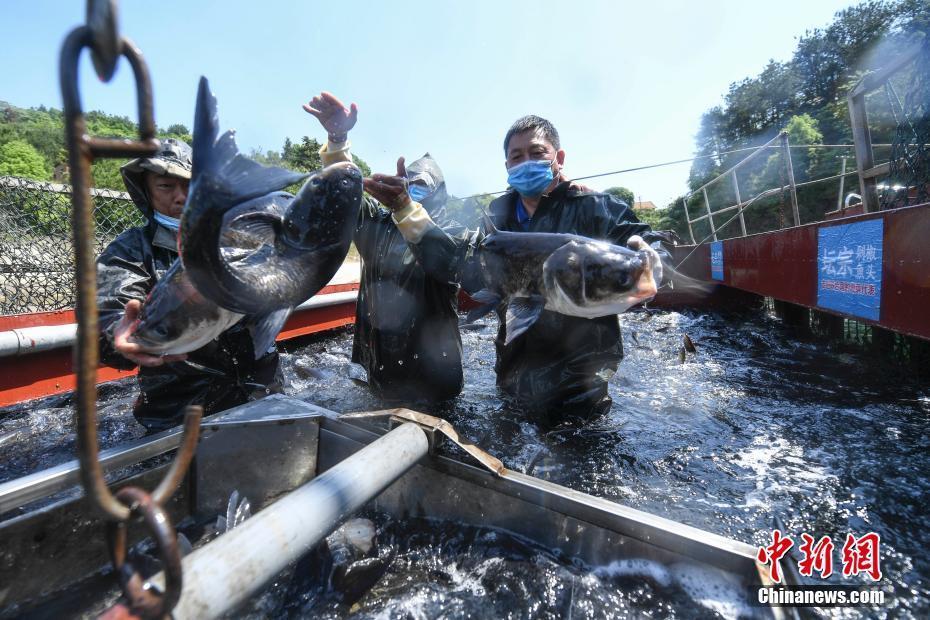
(167, 221)
(531, 178)
(418, 192)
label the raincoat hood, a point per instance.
(428, 172)
(172, 159)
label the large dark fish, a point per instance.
(246, 247)
(286, 257)
(564, 273)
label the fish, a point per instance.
(175, 318)
(563, 273)
(689, 344)
(247, 248)
(256, 260)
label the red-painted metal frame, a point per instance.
(52, 372)
(783, 265)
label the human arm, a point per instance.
(440, 249)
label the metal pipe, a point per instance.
(21, 491)
(739, 201)
(684, 201)
(862, 137)
(791, 184)
(839, 196)
(25, 340)
(221, 575)
(330, 299)
(710, 215)
(35, 339)
(759, 150)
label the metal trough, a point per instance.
(270, 448)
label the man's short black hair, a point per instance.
(531, 122)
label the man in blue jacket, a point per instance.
(560, 367)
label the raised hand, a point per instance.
(335, 118)
(391, 191)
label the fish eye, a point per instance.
(345, 182)
(315, 181)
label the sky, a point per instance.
(625, 83)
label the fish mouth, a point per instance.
(148, 346)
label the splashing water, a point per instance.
(757, 424)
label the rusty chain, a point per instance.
(146, 602)
(102, 37)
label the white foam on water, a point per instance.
(713, 589)
(636, 568)
(778, 466)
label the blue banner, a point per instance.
(849, 264)
(716, 260)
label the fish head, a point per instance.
(176, 318)
(325, 208)
(590, 278)
(158, 328)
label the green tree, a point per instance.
(362, 165)
(807, 96)
(304, 156)
(654, 217)
(18, 158)
(178, 130)
(468, 211)
(624, 194)
(106, 174)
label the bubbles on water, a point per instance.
(715, 590)
(636, 568)
(753, 426)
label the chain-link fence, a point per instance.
(909, 166)
(36, 250)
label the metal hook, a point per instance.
(82, 151)
(146, 602)
(105, 41)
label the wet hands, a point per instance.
(130, 350)
(391, 191)
(335, 118)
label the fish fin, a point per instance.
(259, 225)
(219, 159)
(266, 329)
(488, 300)
(522, 312)
(488, 222)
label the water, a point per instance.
(755, 424)
(425, 569)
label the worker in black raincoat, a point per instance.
(558, 370)
(406, 322)
(218, 376)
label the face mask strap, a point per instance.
(167, 221)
